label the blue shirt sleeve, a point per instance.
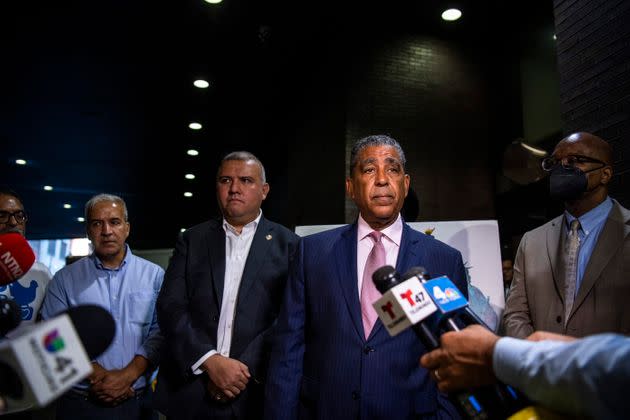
(586, 376)
(150, 348)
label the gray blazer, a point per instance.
(536, 299)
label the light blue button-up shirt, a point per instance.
(591, 225)
(589, 376)
(128, 293)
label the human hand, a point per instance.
(230, 376)
(114, 386)
(464, 359)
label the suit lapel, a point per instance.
(216, 253)
(256, 257)
(346, 252)
(610, 239)
(554, 253)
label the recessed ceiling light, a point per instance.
(451, 14)
(80, 219)
(188, 194)
(213, 1)
(20, 161)
(201, 84)
(48, 187)
(189, 176)
(67, 206)
(194, 126)
(192, 152)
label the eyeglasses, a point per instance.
(19, 216)
(568, 162)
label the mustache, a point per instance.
(12, 230)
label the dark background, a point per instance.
(98, 98)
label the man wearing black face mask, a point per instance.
(572, 275)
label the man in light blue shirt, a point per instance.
(585, 377)
(127, 286)
(571, 274)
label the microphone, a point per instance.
(16, 257)
(445, 304)
(10, 315)
(41, 361)
(410, 302)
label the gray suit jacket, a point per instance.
(536, 298)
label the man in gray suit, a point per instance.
(572, 275)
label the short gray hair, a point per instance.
(245, 156)
(375, 140)
(109, 198)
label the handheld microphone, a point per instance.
(41, 361)
(439, 288)
(400, 307)
(10, 316)
(16, 257)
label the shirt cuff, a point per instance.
(512, 359)
(195, 367)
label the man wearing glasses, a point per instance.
(572, 275)
(28, 292)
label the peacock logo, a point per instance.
(53, 342)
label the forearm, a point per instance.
(136, 368)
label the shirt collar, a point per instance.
(99, 264)
(393, 232)
(591, 219)
(251, 225)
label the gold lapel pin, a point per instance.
(268, 237)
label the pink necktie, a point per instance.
(369, 293)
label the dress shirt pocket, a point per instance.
(141, 306)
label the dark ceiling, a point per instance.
(98, 97)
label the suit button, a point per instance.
(367, 349)
(558, 319)
(355, 395)
(215, 318)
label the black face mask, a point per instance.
(567, 184)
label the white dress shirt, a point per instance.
(236, 251)
(392, 235)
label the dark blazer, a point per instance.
(188, 309)
(322, 367)
(536, 298)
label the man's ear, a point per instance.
(349, 188)
(265, 189)
(607, 173)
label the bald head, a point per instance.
(587, 144)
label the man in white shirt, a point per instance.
(220, 298)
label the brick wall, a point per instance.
(427, 94)
(593, 42)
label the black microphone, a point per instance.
(489, 402)
(387, 277)
(10, 316)
(43, 360)
(95, 326)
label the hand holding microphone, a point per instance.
(429, 307)
(464, 359)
